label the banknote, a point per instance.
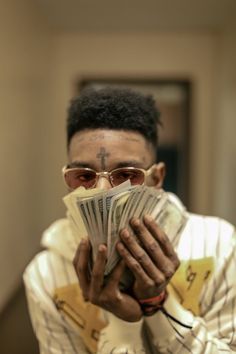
(100, 215)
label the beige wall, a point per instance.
(24, 54)
(224, 173)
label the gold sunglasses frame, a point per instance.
(106, 174)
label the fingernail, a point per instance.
(119, 245)
(135, 222)
(101, 248)
(125, 233)
(148, 218)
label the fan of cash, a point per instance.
(101, 214)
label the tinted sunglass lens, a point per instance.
(123, 174)
(80, 177)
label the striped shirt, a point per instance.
(209, 330)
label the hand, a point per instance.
(107, 296)
(152, 259)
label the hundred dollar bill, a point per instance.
(118, 205)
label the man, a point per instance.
(183, 297)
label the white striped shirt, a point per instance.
(213, 329)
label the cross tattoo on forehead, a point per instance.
(102, 155)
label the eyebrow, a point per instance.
(129, 163)
(78, 164)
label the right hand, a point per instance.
(108, 296)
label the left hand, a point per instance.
(152, 260)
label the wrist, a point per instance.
(151, 305)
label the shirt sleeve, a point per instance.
(211, 332)
(54, 333)
(121, 337)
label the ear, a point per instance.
(158, 174)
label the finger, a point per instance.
(82, 256)
(143, 268)
(137, 250)
(116, 274)
(81, 265)
(162, 239)
(97, 275)
(76, 257)
(148, 243)
(152, 247)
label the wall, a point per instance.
(24, 76)
(224, 173)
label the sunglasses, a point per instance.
(86, 177)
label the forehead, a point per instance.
(118, 144)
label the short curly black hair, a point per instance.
(114, 108)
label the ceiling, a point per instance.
(139, 15)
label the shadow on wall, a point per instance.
(16, 334)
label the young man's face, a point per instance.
(106, 150)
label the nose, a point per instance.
(103, 183)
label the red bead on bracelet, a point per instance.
(154, 300)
